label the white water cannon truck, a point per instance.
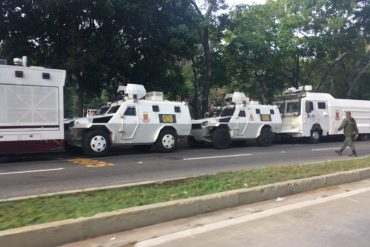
(314, 115)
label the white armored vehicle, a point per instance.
(136, 118)
(240, 120)
(314, 115)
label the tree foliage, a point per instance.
(187, 48)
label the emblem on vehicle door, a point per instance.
(145, 117)
(337, 117)
(251, 117)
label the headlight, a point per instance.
(213, 121)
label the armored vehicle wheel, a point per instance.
(194, 143)
(315, 136)
(221, 138)
(96, 143)
(266, 137)
(166, 141)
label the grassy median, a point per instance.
(53, 208)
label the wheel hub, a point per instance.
(168, 141)
(98, 143)
(316, 135)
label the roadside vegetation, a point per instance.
(190, 49)
(39, 210)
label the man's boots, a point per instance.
(339, 152)
(354, 154)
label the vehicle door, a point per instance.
(309, 116)
(322, 115)
(241, 122)
(130, 122)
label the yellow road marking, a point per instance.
(90, 162)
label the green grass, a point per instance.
(53, 208)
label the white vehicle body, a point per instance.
(308, 114)
(240, 120)
(132, 121)
(31, 108)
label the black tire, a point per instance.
(266, 137)
(192, 143)
(221, 138)
(96, 143)
(315, 136)
(166, 141)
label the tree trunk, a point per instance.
(207, 83)
(263, 88)
(195, 109)
(81, 96)
(353, 83)
(208, 77)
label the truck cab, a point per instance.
(135, 118)
(306, 114)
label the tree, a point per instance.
(207, 22)
(103, 42)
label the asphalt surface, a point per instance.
(47, 173)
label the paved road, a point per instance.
(342, 220)
(58, 172)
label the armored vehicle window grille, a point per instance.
(113, 109)
(321, 105)
(272, 112)
(177, 109)
(258, 111)
(130, 111)
(242, 114)
(102, 110)
(155, 108)
(227, 112)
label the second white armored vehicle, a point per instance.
(240, 120)
(137, 119)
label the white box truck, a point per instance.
(314, 115)
(31, 108)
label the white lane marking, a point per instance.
(32, 171)
(216, 157)
(246, 218)
(324, 149)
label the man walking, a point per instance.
(350, 130)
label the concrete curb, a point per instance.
(66, 231)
